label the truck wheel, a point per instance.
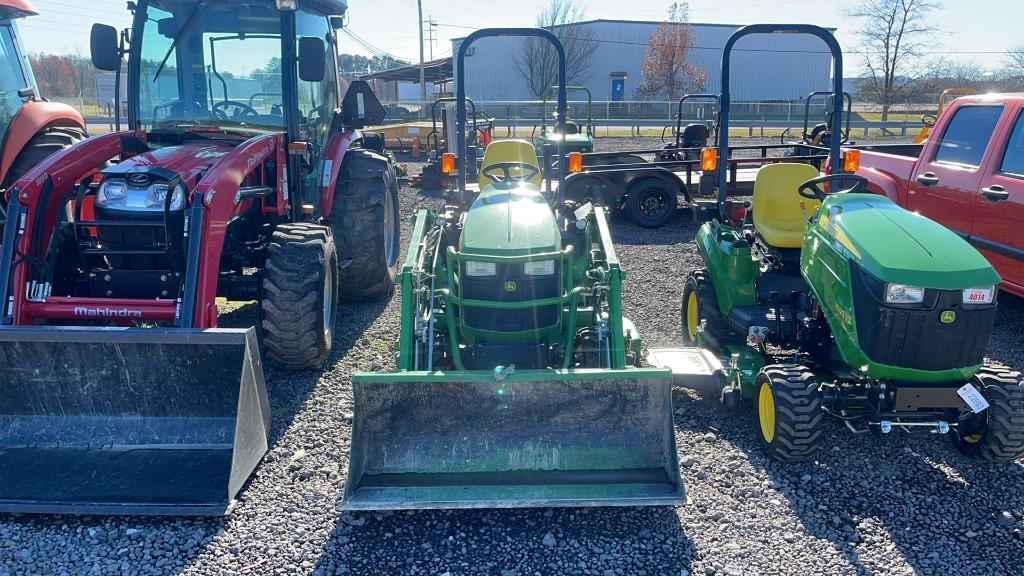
(366, 225)
(298, 307)
(787, 412)
(46, 142)
(701, 303)
(1001, 438)
(650, 203)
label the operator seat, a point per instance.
(778, 218)
(501, 151)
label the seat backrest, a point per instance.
(510, 151)
(776, 204)
(695, 135)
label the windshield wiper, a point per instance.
(196, 10)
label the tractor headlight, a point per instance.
(539, 268)
(156, 196)
(481, 268)
(903, 294)
(112, 193)
(983, 295)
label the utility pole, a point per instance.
(432, 38)
(423, 70)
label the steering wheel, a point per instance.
(241, 110)
(929, 120)
(501, 172)
(812, 188)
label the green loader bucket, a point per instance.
(128, 420)
(537, 438)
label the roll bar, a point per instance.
(837, 88)
(460, 94)
(679, 114)
(847, 99)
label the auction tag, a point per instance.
(973, 398)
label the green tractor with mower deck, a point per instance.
(516, 383)
(826, 301)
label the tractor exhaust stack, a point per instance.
(129, 421)
(534, 438)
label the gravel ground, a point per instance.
(869, 505)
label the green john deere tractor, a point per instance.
(574, 138)
(517, 383)
(824, 300)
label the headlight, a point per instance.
(539, 268)
(112, 193)
(156, 195)
(481, 268)
(903, 294)
(983, 295)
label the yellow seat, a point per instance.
(778, 218)
(501, 151)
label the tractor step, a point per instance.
(695, 368)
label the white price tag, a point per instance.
(973, 398)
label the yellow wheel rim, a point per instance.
(972, 439)
(692, 320)
(766, 412)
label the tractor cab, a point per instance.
(17, 85)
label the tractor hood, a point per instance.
(510, 222)
(189, 161)
(902, 247)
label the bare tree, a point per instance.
(894, 33)
(1013, 67)
(537, 62)
(667, 71)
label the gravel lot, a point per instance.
(893, 505)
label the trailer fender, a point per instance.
(29, 120)
(593, 188)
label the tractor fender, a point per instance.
(333, 156)
(29, 120)
(732, 270)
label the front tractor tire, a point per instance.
(1001, 438)
(788, 417)
(298, 308)
(366, 225)
(700, 304)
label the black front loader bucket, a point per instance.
(129, 421)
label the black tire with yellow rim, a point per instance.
(700, 304)
(788, 418)
(1001, 437)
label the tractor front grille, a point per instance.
(510, 284)
(915, 337)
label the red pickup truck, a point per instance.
(968, 176)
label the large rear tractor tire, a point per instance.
(46, 142)
(788, 418)
(651, 203)
(1001, 439)
(365, 220)
(701, 304)
(298, 308)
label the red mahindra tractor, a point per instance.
(243, 175)
(30, 128)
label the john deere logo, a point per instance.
(947, 317)
(510, 286)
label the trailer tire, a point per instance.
(651, 203)
(1002, 437)
(701, 303)
(298, 305)
(366, 225)
(788, 417)
(46, 142)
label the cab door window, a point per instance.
(967, 136)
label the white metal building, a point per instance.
(764, 67)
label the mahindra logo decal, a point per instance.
(138, 179)
(84, 312)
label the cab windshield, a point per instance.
(12, 79)
(210, 63)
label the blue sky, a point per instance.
(978, 31)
